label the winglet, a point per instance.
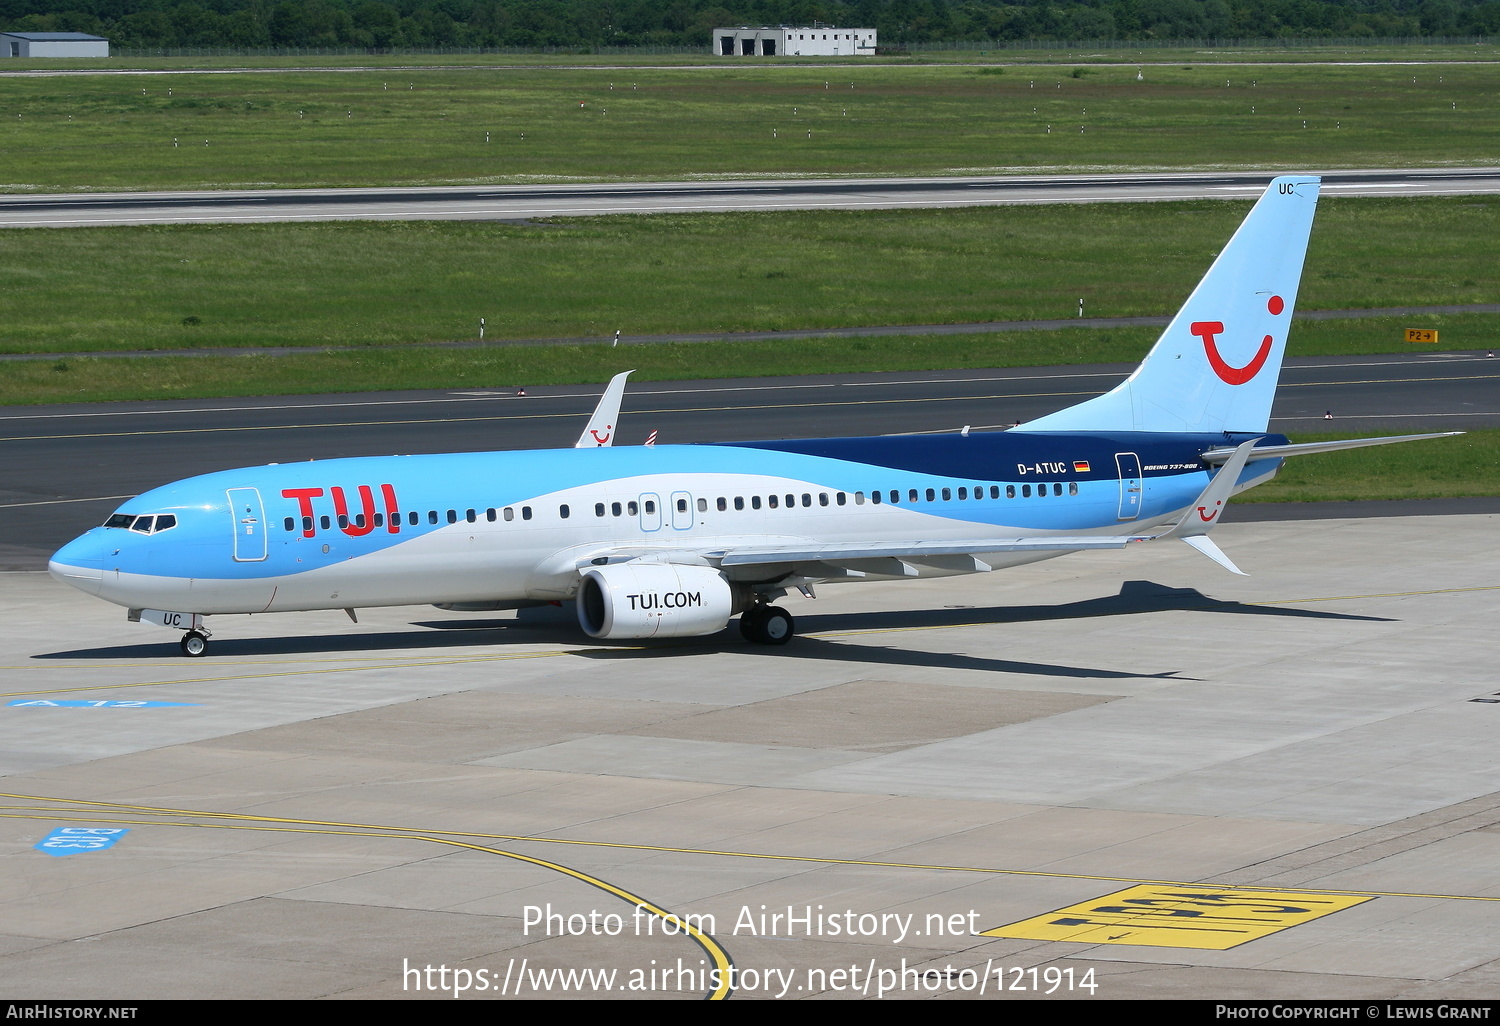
(601, 426)
(1203, 515)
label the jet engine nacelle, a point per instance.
(653, 600)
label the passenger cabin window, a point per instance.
(703, 505)
(525, 512)
(755, 502)
(632, 508)
(771, 501)
(509, 513)
(598, 509)
(563, 511)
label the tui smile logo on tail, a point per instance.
(1207, 330)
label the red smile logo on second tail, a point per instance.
(1207, 330)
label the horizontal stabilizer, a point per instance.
(1204, 544)
(1269, 452)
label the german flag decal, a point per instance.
(1081, 466)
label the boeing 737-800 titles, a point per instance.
(675, 540)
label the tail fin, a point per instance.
(1215, 367)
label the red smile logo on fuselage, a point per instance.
(1207, 330)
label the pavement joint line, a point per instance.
(242, 821)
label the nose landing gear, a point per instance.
(194, 643)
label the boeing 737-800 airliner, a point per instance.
(671, 541)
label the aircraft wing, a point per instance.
(902, 559)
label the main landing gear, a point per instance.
(194, 643)
(767, 625)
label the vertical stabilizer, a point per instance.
(1215, 367)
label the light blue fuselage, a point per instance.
(515, 526)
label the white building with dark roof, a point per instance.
(782, 41)
(52, 44)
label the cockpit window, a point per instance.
(142, 525)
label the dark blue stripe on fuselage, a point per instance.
(1000, 456)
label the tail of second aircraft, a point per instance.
(1215, 367)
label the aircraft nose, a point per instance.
(80, 564)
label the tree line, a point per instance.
(590, 24)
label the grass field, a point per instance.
(379, 283)
(428, 125)
(89, 379)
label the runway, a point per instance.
(69, 466)
(521, 202)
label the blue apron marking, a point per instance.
(78, 840)
(83, 703)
